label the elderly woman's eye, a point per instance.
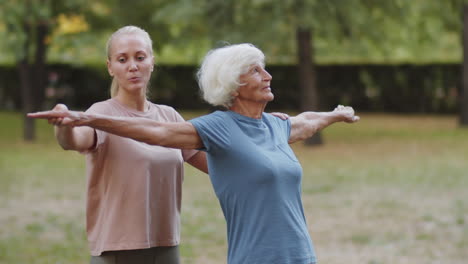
(141, 57)
(121, 59)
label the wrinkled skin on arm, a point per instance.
(182, 135)
(307, 124)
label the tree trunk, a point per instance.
(307, 77)
(24, 69)
(40, 72)
(29, 131)
(33, 76)
(464, 92)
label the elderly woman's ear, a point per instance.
(235, 94)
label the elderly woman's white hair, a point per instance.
(218, 76)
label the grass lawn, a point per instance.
(389, 189)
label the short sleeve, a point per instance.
(97, 108)
(213, 130)
(186, 153)
(283, 126)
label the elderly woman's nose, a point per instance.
(267, 76)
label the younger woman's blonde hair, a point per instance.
(127, 30)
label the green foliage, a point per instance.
(352, 31)
(21, 17)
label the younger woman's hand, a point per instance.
(283, 116)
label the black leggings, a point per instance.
(155, 255)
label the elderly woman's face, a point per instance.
(256, 85)
(131, 62)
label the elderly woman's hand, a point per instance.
(59, 116)
(58, 121)
(347, 113)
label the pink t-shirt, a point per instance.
(134, 189)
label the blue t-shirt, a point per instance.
(257, 179)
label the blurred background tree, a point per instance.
(290, 32)
(30, 28)
(464, 90)
(298, 31)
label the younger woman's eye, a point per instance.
(121, 59)
(141, 58)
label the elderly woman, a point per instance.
(254, 172)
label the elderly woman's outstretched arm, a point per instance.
(307, 124)
(182, 135)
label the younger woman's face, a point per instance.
(131, 62)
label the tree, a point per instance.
(464, 92)
(31, 27)
(30, 24)
(459, 26)
(278, 27)
(308, 77)
(440, 21)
